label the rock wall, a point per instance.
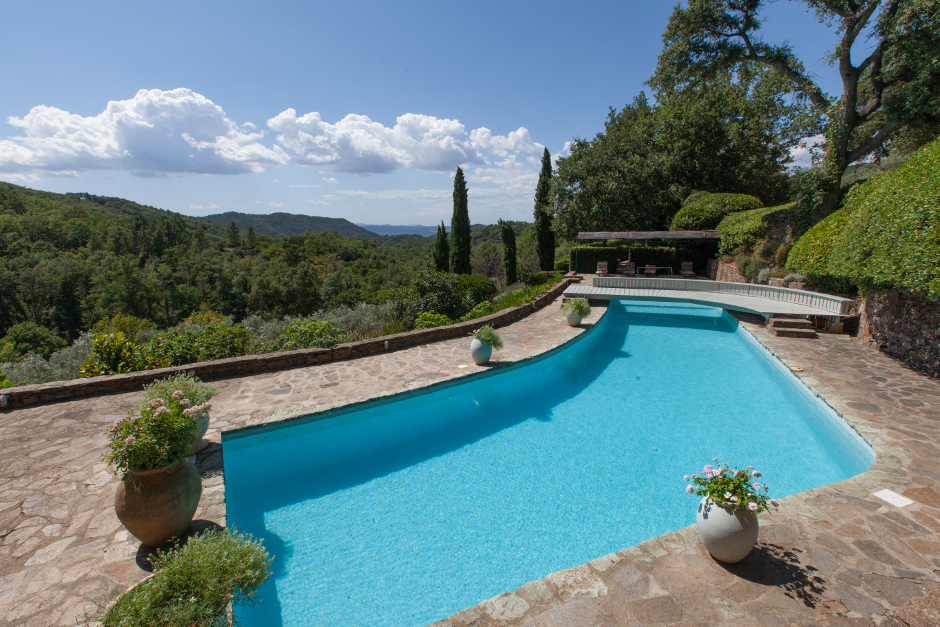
(903, 325)
(27, 395)
(729, 272)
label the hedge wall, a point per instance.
(588, 256)
(810, 255)
(749, 227)
(893, 236)
(704, 210)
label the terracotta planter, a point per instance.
(728, 534)
(157, 506)
(480, 352)
(572, 319)
(199, 442)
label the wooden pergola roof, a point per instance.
(645, 236)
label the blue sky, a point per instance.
(343, 109)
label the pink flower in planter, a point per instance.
(689, 489)
(752, 506)
(130, 439)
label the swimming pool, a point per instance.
(406, 511)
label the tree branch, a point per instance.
(876, 140)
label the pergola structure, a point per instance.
(648, 236)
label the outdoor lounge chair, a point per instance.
(649, 271)
(687, 271)
(626, 268)
(601, 267)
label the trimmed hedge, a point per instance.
(703, 210)
(588, 256)
(893, 237)
(810, 256)
(747, 228)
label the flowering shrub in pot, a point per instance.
(484, 341)
(193, 391)
(727, 513)
(161, 487)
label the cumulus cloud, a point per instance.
(329, 179)
(197, 207)
(398, 194)
(358, 145)
(806, 153)
(154, 133)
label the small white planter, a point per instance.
(572, 319)
(729, 535)
(480, 351)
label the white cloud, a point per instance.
(516, 142)
(154, 133)
(329, 180)
(303, 186)
(276, 204)
(398, 194)
(318, 202)
(358, 145)
(199, 207)
(808, 150)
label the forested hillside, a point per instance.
(68, 260)
(283, 224)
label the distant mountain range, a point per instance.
(282, 224)
(399, 229)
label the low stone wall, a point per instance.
(28, 395)
(729, 272)
(903, 325)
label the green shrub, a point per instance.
(7, 350)
(176, 347)
(112, 354)
(482, 309)
(892, 238)
(562, 265)
(122, 323)
(810, 255)
(430, 291)
(488, 335)
(221, 342)
(189, 384)
(549, 277)
(192, 586)
(307, 333)
(577, 307)
(29, 337)
(431, 319)
(475, 288)
(747, 228)
(704, 210)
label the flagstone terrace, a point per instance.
(835, 555)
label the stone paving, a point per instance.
(61, 546)
(831, 556)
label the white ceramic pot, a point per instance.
(480, 351)
(729, 535)
(572, 319)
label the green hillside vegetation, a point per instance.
(886, 235)
(744, 230)
(703, 210)
(284, 224)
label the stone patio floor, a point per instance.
(835, 555)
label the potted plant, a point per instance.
(160, 486)
(483, 343)
(576, 309)
(193, 389)
(727, 513)
(195, 584)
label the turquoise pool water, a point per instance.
(408, 511)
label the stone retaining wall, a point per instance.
(729, 272)
(27, 395)
(903, 325)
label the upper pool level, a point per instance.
(760, 299)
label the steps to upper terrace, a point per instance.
(792, 327)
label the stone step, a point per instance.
(786, 332)
(790, 323)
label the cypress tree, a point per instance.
(441, 252)
(234, 236)
(509, 251)
(460, 228)
(250, 237)
(544, 236)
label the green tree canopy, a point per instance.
(460, 228)
(895, 85)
